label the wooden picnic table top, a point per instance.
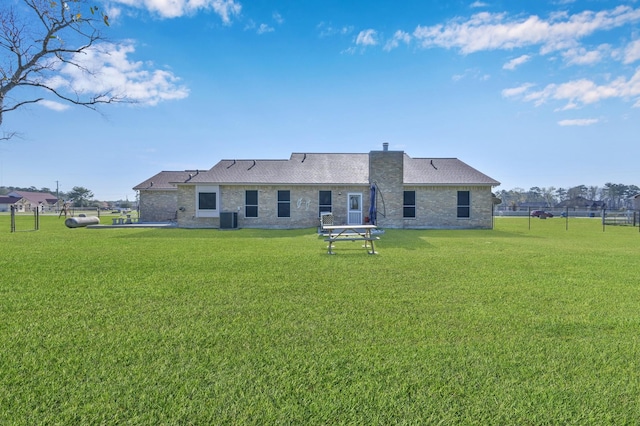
(334, 227)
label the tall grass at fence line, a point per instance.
(169, 326)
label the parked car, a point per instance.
(541, 214)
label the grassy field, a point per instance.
(174, 326)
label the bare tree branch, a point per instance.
(8, 135)
(38, 37)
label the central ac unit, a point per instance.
(228, 220)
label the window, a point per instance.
(207, 201)
(409, 204)
(251, 203)
(464, 204)
(354, 201)
(324, 202)
(284, 203)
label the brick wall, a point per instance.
(436, 207)
(157, 205)
(187, 210)
(303, 205)
(386, 170)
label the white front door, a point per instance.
(354, 209)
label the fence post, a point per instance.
(13, 218)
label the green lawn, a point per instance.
(175, 326)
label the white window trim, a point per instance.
(208, 212)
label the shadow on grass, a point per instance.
(244, 233)
(410, 239)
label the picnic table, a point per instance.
(124, 221)
(350, 233)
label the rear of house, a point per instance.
(386, 187)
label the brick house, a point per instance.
(28, 201)
(419, 193)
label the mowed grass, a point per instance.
(176, 326)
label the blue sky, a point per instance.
(530, 93)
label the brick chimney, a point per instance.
(386, 170)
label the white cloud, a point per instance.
(565, 35)
(113, 12)
(579, 122)
(278, 18)
(226, 9)
(487, 31)
(582, 56)
(367, 38)
(632, 52)
(398, 36)
(107, 69)
(52, 105)
(516, 62)
(264, 28)
(327, 30)
(581, 92)
(471, 73)
(515, 92)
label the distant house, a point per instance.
(389, 188)
(533, 205)
(581, 203)
(28, 201)
(6, 203)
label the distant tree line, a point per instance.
(613, 196)
(78, 196)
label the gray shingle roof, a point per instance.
(320, 169)
(299, 169)
(442, 171)
(9, 200)
(165, 180)
(35, 197)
